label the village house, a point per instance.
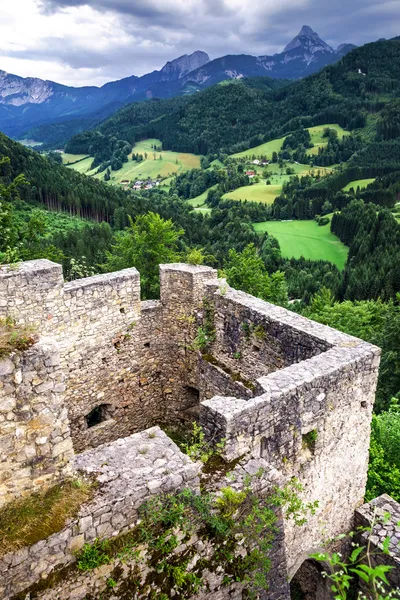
(145, 185)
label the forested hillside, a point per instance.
(242, 114)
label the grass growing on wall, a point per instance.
(29, 520)
(14, 337)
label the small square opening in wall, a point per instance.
(98, 415)
(192, 395)
(269, 448)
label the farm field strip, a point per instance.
(361, 183)
(307, 239)
(263, 150)
(258, 192)
(69, 159)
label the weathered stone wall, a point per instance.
(254, 338)
(329, 392)
(129, 472)
(129, 357)
(382, 517)
(35, 443)
(278, 388)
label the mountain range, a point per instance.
(27, 103)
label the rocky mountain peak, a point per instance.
(184, 64)
(308, 39)
(308, 31)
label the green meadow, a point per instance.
(263, 150)
(275, 145)
(157, 164)
(306, 238)
(201, 198)
(317, 136)
(82, 166)
(258, 192)
(69, 159)
(261, 192)
(361, 183)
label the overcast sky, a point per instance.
(90, 42)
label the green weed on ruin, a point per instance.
(364, 563)
(14, 337)
(206, 333)
(231, 520)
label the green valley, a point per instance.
(290, 191)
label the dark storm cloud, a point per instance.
(340, 20)
(356, 21)
(149, 11)
(154, 31)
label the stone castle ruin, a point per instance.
(108, 370)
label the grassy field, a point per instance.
(167, 163)
(200, 200)
(319, 141)
(157, 165)
(361, 183)
(263, 150)
(274, 172)
(83, 166)
(306, 238)
(275, 145)
(259, 192)
(217, 163)
(72, 158)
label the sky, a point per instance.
(90, 42)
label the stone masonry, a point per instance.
(285, 393)
(381, 518)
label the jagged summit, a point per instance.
(307, 30)
(308, 39)
(186, 63)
